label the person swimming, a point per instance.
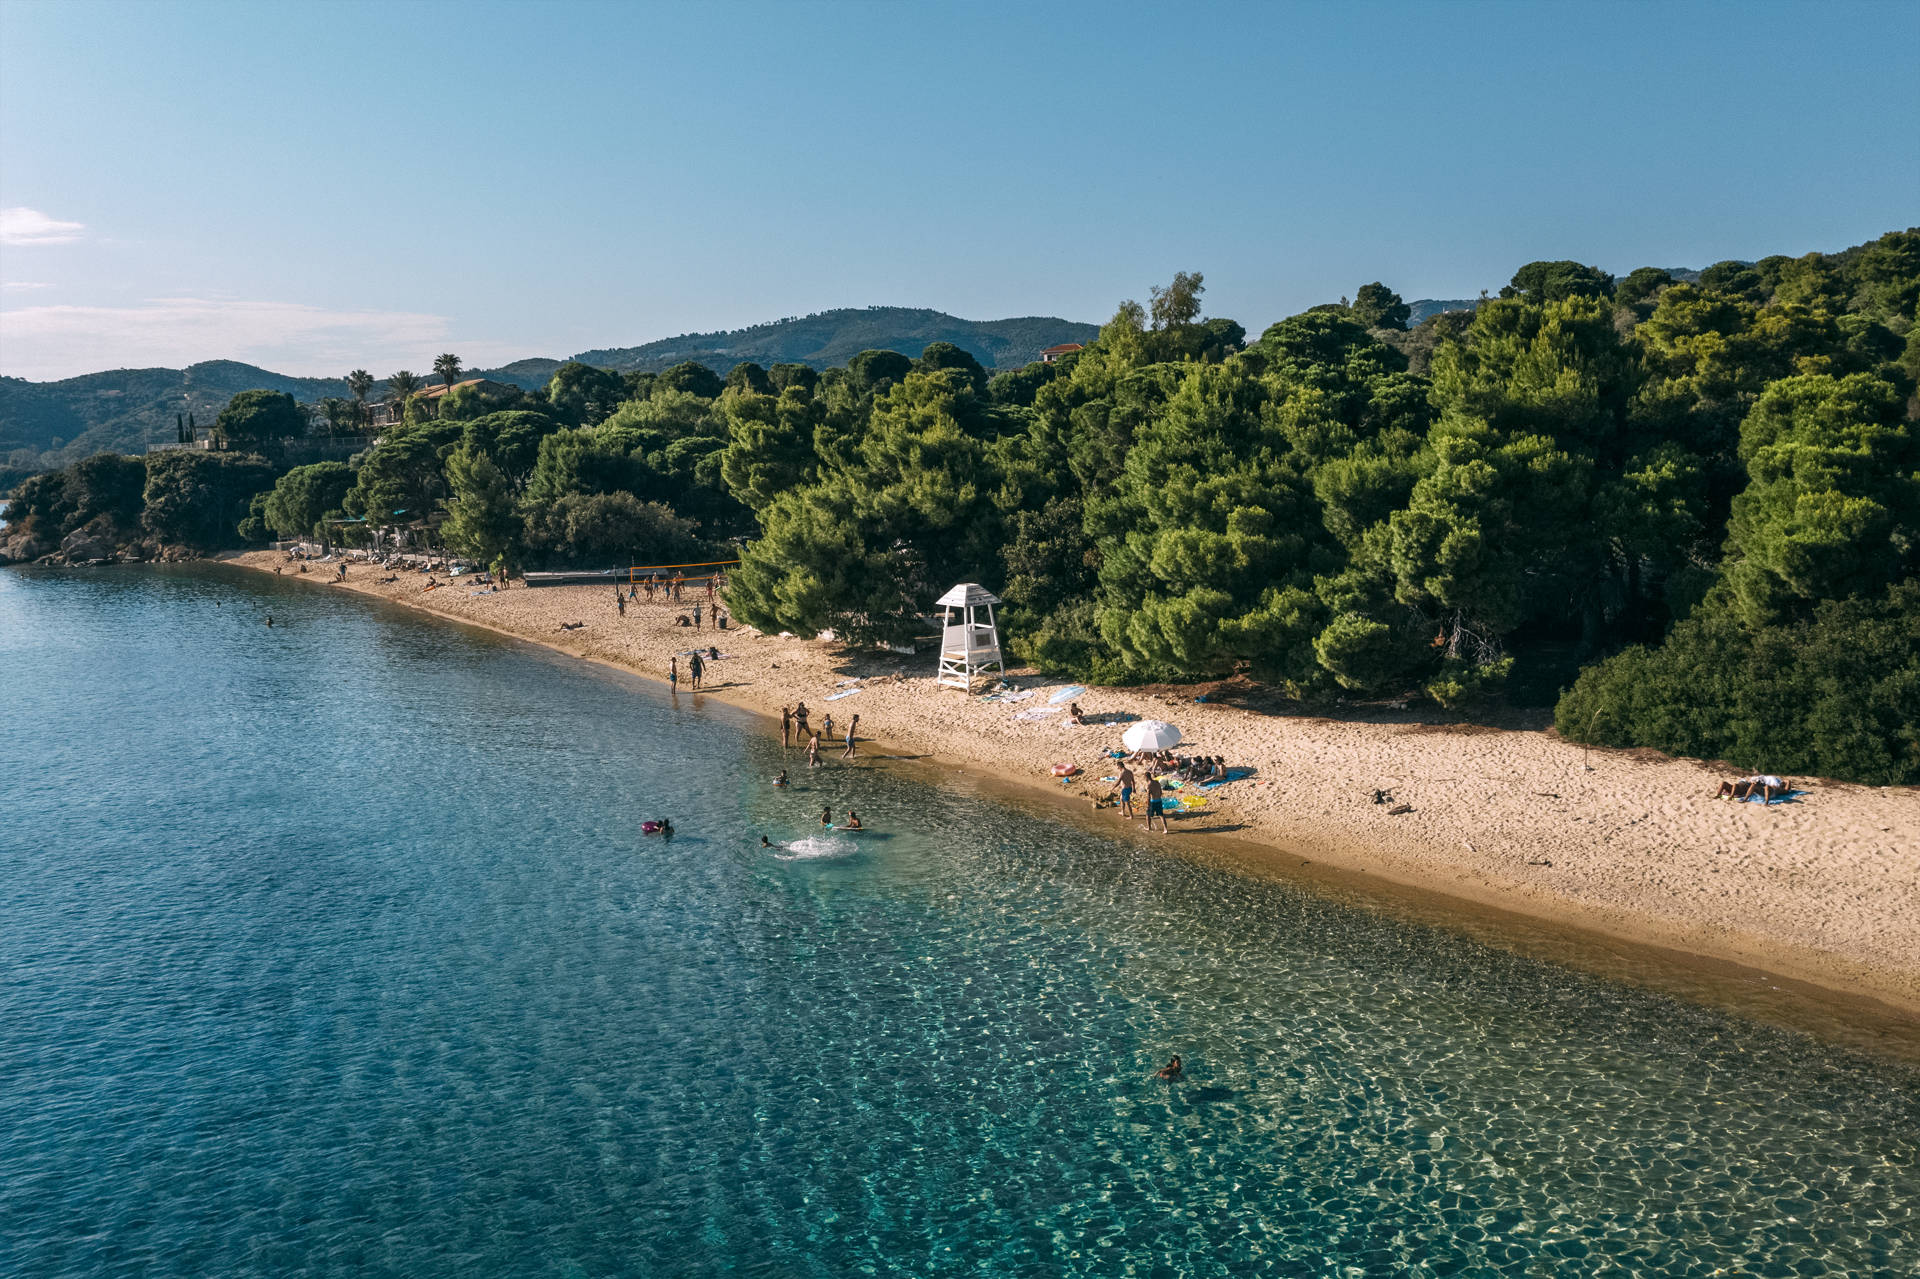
(826, 816)
(658, 826)
(782, 779)
(1172, 1070)
(853, 820)
(767, 843)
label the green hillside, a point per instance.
(831, 338)
(46, 424)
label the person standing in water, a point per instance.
(673, 674)
(852, 725)
(813, 751)
(826, 816)
(694, 667)
(800, 718)
(786, 728)
(1156, 804)
(1125, 787)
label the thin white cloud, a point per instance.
(23, 226)
(24, 284)
(49, 342)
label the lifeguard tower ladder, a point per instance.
(969, 649)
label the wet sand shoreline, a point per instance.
(1807, 898)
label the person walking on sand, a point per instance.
(852, 726)
(1156, 804)
(696, 615)
(694, 667)
(1125, 786)
(786, 728)
(620, 601)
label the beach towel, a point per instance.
(1020, 696)
(1233, 775)
(1037, 712)
(1067, 694)
(834, 697)
(1786, 798)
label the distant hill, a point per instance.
(126, 409)
(1427, 308)
(831, 338)
(45, 424)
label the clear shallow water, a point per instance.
(336, 949)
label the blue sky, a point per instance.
(318, 186)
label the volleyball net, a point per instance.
(638, 573)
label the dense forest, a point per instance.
(1688, 508)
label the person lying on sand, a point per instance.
(571, 626)
(1172, 1070)
(1765, 785)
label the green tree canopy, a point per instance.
(1557, 281)
(1378, 307)
(304, 496)
(255, 419)
(481, 521)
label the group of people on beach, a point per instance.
(793, 720)
(696, 667)
(1127, 783)
(671, 590)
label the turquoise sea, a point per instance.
(336, 948)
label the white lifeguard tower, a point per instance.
(968, 649)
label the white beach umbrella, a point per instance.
(1150, 735)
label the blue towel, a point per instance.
(1233, 775)
(1787, 797)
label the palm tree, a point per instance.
(447, 367)
(360, 382)
(402, 384)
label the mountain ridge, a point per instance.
(52, 423)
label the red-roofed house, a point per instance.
(1053, 353)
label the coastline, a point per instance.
(1820, 893)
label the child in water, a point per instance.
(782, 779)
(853, 820)
(826, 816)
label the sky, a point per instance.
(317, 187)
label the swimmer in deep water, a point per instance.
(1172, 1070)
(767, 843)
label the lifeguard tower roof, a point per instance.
(967, 595)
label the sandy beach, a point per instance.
(1825, 889)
